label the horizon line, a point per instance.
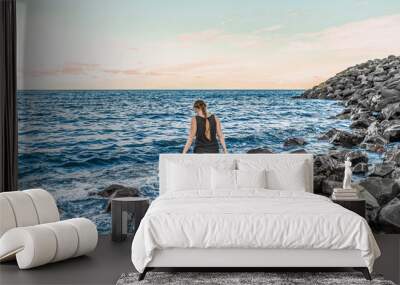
(170, 89)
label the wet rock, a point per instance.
(294, 141)
(346, 139)
(115, 191)
(372, 205)
(373, 147)
(392, 111)
(345, 114)
(393, 155)
(360, 124)
(301, 150)
(355, 156)
(329, 134)
(329, 185)
(328, 167)
(260, 150)
(124, 191)
(360, 168)
(389, 216)
(383, 169)
(392, 133)
(383, 189)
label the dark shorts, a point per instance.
(206, 149)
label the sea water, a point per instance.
(72, 143)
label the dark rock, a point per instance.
(124, 191)
(346, 139)
(294, 142)
(328, 167)
(360, 168)
(329, 185)
(392, 133)
(301, 150)
(360, 124)
(372, 205)
(346, 113)
(329, 134)
(389, 216)
(393, 155)
(260, 150)
(392, 111)
(318, 179)
(396, 173)
(373, 147)
(355, 156)
(115, 191)
(383, 189)
(383, 169)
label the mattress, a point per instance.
(250, 219)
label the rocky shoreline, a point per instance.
(370, 93)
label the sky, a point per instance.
(198, 44)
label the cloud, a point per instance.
(66, 69)
(365, 37)
(269, 29)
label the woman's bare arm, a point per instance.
(192, 134)
(220, 135)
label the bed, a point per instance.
(245, 211)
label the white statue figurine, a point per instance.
(347, 174)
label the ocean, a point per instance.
(75, 142)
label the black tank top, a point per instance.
(202, 144)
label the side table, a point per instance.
(356, 205)
(120, 207)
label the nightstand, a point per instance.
(120, 209)
(356, 205)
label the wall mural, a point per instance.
(106, 86)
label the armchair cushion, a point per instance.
(40, 244)
(31, 232)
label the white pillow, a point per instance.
(223, 179)
(281, 174)
(292, 179)
(251, 178)
(188, 177)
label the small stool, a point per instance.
(120, 207)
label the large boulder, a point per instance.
(260, 150)
(115, 191)
(392, 111)
(294, 141)
(360, 124)
(346, 139)
(393, 155)
(392, 133)
(329, 185)
(356, 156)
(360, 168)
(329, 134)
(389, 216)
(372, 205)
(383, 189)
(383, 169)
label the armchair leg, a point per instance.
(143, 274)
(364, 271)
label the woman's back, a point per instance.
(204, 144)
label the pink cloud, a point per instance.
(66, 69)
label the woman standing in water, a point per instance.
(205, 128)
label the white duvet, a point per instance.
(250, 219)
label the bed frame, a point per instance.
(246, 259)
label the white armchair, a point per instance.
(31, 230)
